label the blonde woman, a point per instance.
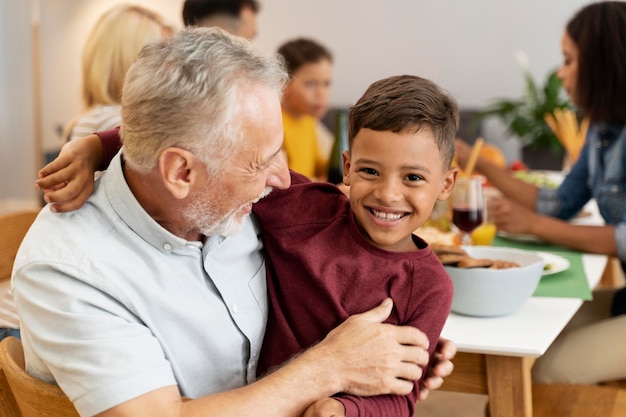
(112, 46)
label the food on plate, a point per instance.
(441, 249)
(451, 259)
(452, 255)
(500, 264)
(433, 234)
(540, 179)
(468, 262)
(518, 165)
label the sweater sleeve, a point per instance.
(426, 307)
(381, 405)
(111, 144)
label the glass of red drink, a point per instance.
(468, 206)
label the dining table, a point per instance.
(496, 354)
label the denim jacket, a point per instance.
(599, 173)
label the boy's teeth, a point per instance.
(386, 216)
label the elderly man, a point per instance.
(155, 289)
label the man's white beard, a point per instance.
(228, 225)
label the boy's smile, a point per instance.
(395, 179)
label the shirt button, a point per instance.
(167, 246)
(234, 308)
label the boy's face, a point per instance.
(395, 180)
(308, 93)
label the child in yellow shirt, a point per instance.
(305, 101)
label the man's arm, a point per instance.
(441, 366)
(516, 219)
(361, 356)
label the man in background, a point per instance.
(235, 16)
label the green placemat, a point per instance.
(571, 283)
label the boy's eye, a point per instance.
(369, 171)
(310, 84)
(413, 177)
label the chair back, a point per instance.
(13, 227)
(8, 405)
(34, 398)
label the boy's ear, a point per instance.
(448, 183)
(178, 169)
(346, 167)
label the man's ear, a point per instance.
(178, 169)
(448, 183)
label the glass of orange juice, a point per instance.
(486, 232)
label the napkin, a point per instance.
(571, 283)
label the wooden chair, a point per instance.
(35, 398)
(613, 276)
(13, 227)
(563, 400)
(8, 405)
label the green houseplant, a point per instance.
(524, 117)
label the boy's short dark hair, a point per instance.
(299, 52)
(196, 10)
(408, 102)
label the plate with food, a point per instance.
(522, 238)
(553, 263)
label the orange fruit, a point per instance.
(493, 154)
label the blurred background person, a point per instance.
(305, 102)
(591, 349)
(112, 46)
(235, 16)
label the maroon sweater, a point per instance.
(320, 270)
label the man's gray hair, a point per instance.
(181, 92)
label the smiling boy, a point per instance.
(337, 257)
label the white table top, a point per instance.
(532, 329)
(529, 331)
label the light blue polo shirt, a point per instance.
(114, 306)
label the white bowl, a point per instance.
(486, 292)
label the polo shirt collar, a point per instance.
(129, 210)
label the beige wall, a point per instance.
(17, 142)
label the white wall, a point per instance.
(17, 144)
(467, 46)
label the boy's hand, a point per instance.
(441, 366)
(68, 181)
